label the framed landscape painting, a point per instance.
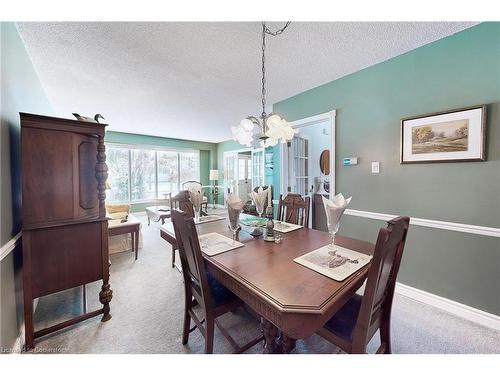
(457, 135)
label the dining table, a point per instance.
(293, 301)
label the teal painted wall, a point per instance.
(21, 91)
(457, 71)
(208, 153)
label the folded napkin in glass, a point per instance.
(215, 243)
(337, 264)
(234, 207)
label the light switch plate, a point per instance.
(375, 167)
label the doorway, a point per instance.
(308, 162)
(244, 174)
(243, 170)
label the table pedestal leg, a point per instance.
(275, 341)
(287, 344)
(270, 337)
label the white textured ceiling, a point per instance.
(195, 80)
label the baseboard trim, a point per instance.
(437, 224)
(4, 251)
(458, 309)
(19, 343)
(18, 346)
(9, 246)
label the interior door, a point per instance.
(258, 167)
(297, 178)
(230, 174)
(244, 175)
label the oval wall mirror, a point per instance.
(324, 162)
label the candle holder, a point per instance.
(256, 231)
(270, 225)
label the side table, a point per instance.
(132, 226)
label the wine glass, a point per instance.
(234, 224)
(333, 228)
(196, 200)
(259, 206)
(197, 212)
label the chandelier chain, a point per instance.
(263, 96)
(266, 30)
(277, 32)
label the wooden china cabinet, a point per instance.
(65, 230)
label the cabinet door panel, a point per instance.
(65, 257)
(47, 170)
(87, 204)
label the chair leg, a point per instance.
(187, 324)
(209, 337)
(385, 336)
(173, 256)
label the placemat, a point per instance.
(336, 264)
(283, 227)
(209, 218)
(215, 243)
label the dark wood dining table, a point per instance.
(293, 301)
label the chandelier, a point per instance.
(272, 128)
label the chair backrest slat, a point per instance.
(384, 267)
(193, 266)
(294, 209)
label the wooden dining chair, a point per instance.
(294, 209)
(181, 202)
(201, 288)
(353, 326)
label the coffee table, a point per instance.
(132, 226)
(157, 213)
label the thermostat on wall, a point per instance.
(350, 161)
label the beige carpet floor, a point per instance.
(147, 311)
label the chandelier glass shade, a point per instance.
(268, 129)
(271, 129)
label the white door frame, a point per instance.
(232, 152)
(327, 116)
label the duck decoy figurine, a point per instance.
(88, 119)
(97, 117)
